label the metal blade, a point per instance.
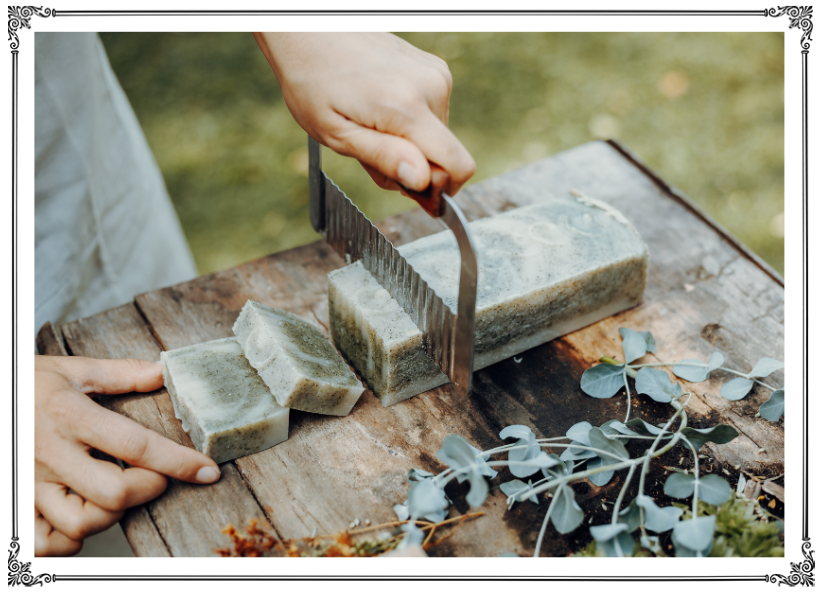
(448, 339)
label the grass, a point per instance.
(705, 110)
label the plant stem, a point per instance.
(628, 395)
(696, 477)
(729, 370)
(610, 360)
(613, 467)
(645, 469)
(545, 524)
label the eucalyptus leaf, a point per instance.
(599, 479)
(516, 431)
(679, 485)
(529, 466)
(652, 543)
(482, 466)
(624, 541)
(461, 457)
(427, 499)
(657, 385)
(644, 426)
(617, 427)
(574, 454)
(736, 388)
(713, 489)
(514, 488)
(566, 515)
(418, 475)
(716, 361)
(402, 511)
(579, 432)
(695, 534)
(634, 344)
(764, 367)
(413, 536)
(719, 434)
(630, 516)
(691, 370)
(601, 442)
(602, 381)
(773, 408)
(508, 554)
(658, 519)
(528, 458)
(647, 336)
(606, 532)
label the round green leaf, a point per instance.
(764, 367)
(679, 485)
(773, 408)
(580, 432)
(601, 442)
(566, 515)
(719, 434)
(736, 388)
(657, 385)
(687, 371)
(602, 381)
(630, 516)
(713, 489)
(695, 534)
(606, 532)
(658, 519)
(634, 345)
(599, 479)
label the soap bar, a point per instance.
(225, 407)
(545, 270)
(295, 360)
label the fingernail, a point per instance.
(407, 175)
(208, 475)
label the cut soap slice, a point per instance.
(300, 366)
(225, 407)
(545, 270)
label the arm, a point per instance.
(374, 97)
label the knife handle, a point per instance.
(430, 199)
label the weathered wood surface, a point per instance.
(705, 293)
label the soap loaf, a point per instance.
(225, 407)
(545, 270)
(300, 366)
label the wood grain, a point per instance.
(187, 519)
(704, 294)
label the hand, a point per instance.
(76, 495)
(374, 97)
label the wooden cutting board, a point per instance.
(705, 292)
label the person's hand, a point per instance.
(76, 495)
(374, 97)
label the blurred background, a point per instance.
(704, 110)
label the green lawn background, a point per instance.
(705, 110)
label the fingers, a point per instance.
(70, 514)
(441, 147)
(90, 375)
(405, 158)
(389, 155)
(49, 542)
(380, 179)
(112, 488)
(138, 446)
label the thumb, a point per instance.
(394, 157)
(90, 375)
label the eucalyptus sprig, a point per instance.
(595, 453)
(604, 380)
